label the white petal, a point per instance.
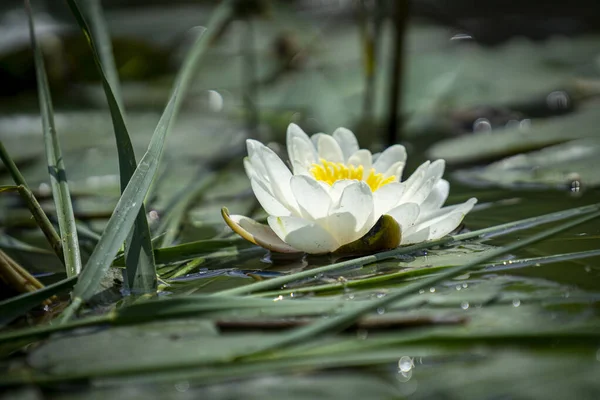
(252, 147)
(250, 170)
(313, 200)
(412, 236)
(256, 233)
(279, 177)
(361, 157)
(329, 149)
(303, 235)
(395, 170)
(347, 142)
(301, 151)
(436, 170)
(405, 215)
(386, 198)
(437, 197)
(391, 155)
(434, 215)
(414, 182)
(445, 226)
(399, 172)
(423, 192)
(419, 174)
(351, 217)
(254, 159)
(266, 199)
(315, 139)
(432, 230)
(338, 187)
(304, 155)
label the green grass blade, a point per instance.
(19, 305)
(56, 167)
(102, 46)
(186, 251)
(133, 196)
(139, 257)
(419, 272)
(124, 215)
(335, 324)
(34, 206)
(385, 255)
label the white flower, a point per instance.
(336, 192)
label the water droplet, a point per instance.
(215, 101)
(182, 386)
(278, 298)
(482, 125)
(380, 295)
(512, 124)
(404, 376)
(405, 364)
(516, 302)
(292, 294)
(44, 189)
(380, 310)
(421, 291)
(465, 285)
(432, 290)
(350, 296)
(362, 334)
(464, 305)
(461, 36)
(525, 124)
(587, 268)
(558, 100)
(458, 287)
(574, 182)
(153, 215)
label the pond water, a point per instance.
(523, 326)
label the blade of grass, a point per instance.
(139, 257)
(190, 250)
(19, 305)
(38, 214)
(385, 255)
(418, 272)
(99, 40)
(133, 196)
(123, 217)
(16, 276)
(301, 335)
(56, 167)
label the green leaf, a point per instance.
(133, 196)
(139, 257)
(56, 167)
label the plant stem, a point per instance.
(400, 15)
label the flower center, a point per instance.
(331, 172)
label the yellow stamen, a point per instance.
(331, 172)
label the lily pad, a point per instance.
(573, 166)
(484, 146)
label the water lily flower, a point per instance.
(336, 194)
